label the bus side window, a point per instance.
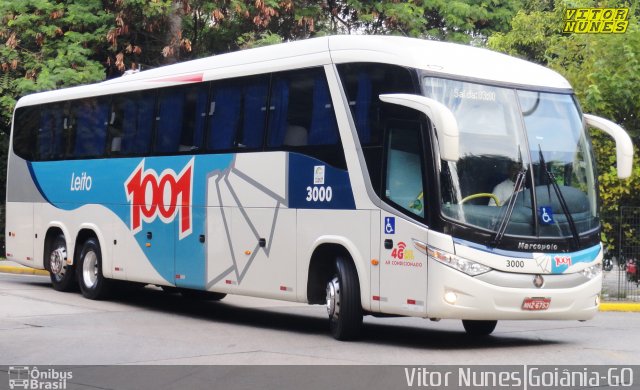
(363, 83)
(188, 108)
(91, 119)
(195, 115)
(281, 131)
(169, 120)
(302, 118)
(404, 173)
(254, 113)
(26, 132)
(362, 107)
(324, 127)
(51, 134)
(114, 127)
(137, 121)
(224, 114)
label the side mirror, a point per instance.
(442, 118)
(624, 146)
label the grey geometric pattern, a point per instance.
(237, 268)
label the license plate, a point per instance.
(536, 304)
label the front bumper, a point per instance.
(480, 300)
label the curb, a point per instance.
(9, 269)
(620, 306)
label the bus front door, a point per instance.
(403, 268)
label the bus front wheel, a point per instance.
(479, 328)
(343, 301)
(93, 284)
(61, 274)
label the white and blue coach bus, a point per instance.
(375, 175)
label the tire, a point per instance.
(200, 295)
(343, 301)
(93, 284)
(62, 275)
(479, 328)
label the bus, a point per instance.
(376, 175)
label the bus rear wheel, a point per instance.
(343, 301)
(479, 328)
(62, 275)
(93, 284)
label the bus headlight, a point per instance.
(592, 271)
(464, 265)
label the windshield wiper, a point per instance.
(563, 202)
(504, 222)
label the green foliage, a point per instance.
(531, 34)
(468, 20)
(49, 44)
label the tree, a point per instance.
(468, 21)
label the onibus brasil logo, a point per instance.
(22, 377)
(163, 196)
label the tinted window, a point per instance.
(237, 113)
(52, 133)
(131, 123)
(224, 113)
(404, 173)
(169, 120)
(25, 128)
(363, 83)
(89, 133)
(180, 121)
(254, 113)
(301, 111)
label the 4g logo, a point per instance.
(401, 253)
(163, 196)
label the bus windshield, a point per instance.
(525, 161)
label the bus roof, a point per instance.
(439, 58)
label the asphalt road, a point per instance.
(41, 326)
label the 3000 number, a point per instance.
(319, 194)
(515, 263)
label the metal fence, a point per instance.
(621, 281)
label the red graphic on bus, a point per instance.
(166, 195)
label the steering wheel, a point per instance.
(481, 195)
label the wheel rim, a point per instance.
(90, 269)
(57, 261)
(333, 298)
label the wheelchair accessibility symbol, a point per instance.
(389, 225)
(546, 215)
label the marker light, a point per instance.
(467, 266)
